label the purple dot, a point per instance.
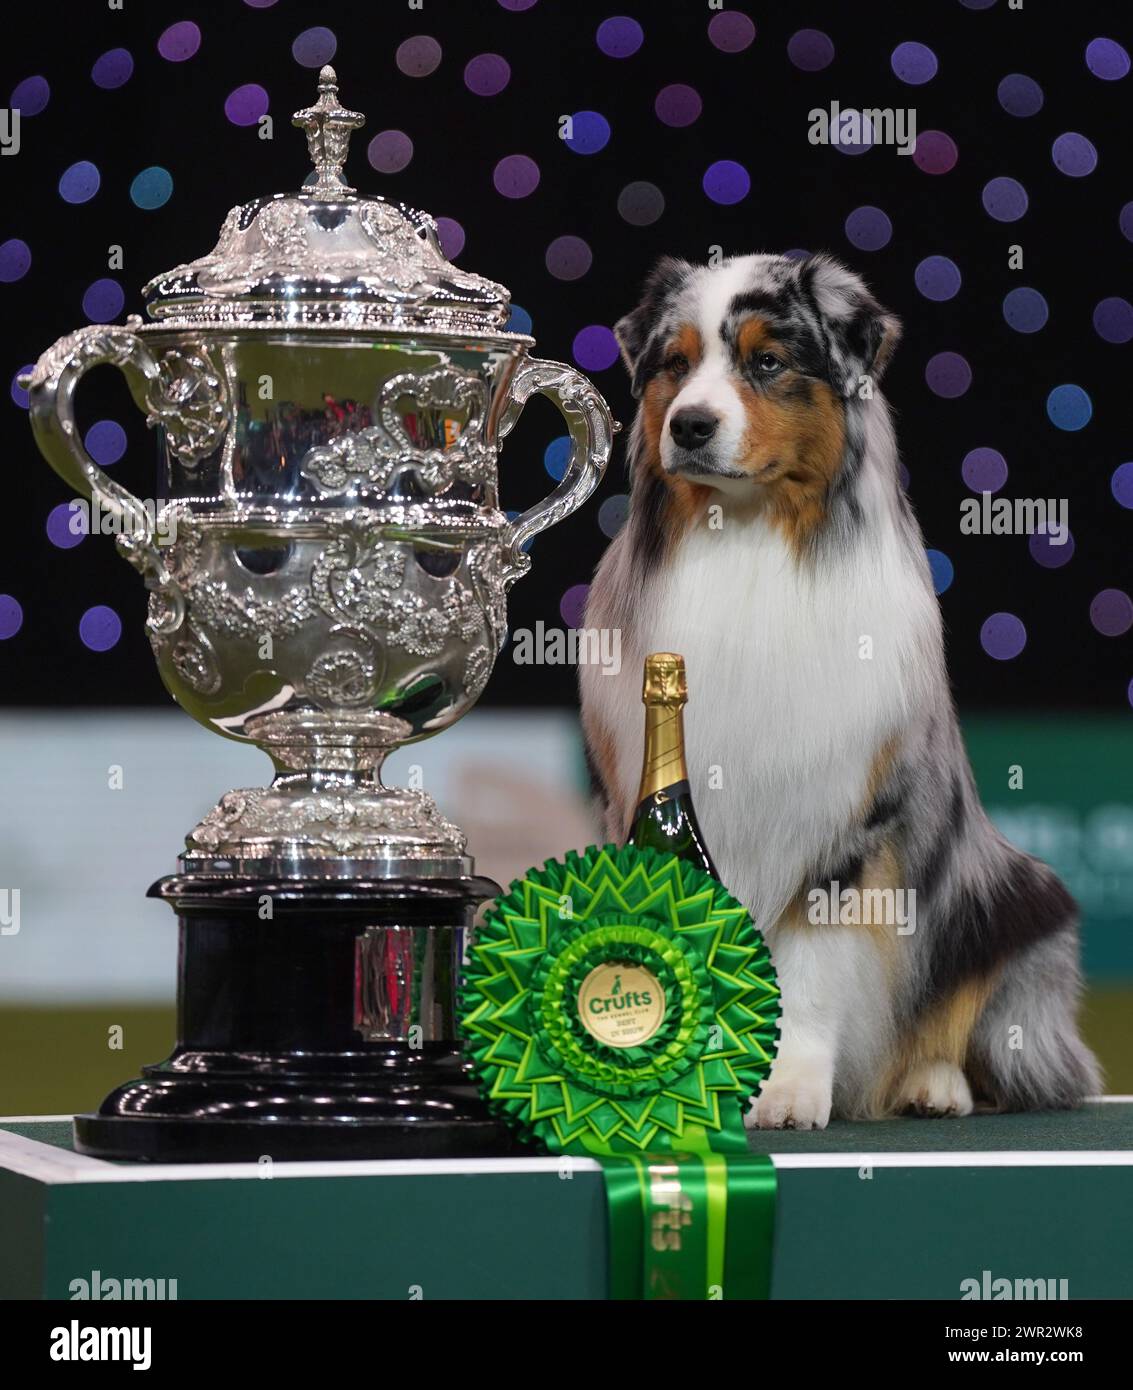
(810, 50)
(103, 300)
(247, 104)
(15, 260)
(1111, 612)
(936, 153)
(1025, 310)
(731, 31)
(573, 604)
(314, 47)
(1107, 59)
(100, 628)
(948, 375)
(451, 236)
(66, 525)
(1020, 95)
(568, 258)
(1113, 320)
(1074, 155)
(620, 37)
(17, 392)
(1125, 221)
(1004, 199)
(113, 69)
(595, 348)
(517, 5)
(389, 151)
(853, 133)
(516, 176)
(260, 4)
(984, 470)
(1003, 636)
(30, 96)
(641, 203)
(80, 182)
(1050, 549)
(590, 132)
(179, 42)
(868, 228)
(914, 63)
(487, 74)
(105, 442)
(1121, 485)
(937, 278)
(796, 253)
(977, 4)
(418, 57)
(678, 104)
(727, 182)
(11, 616)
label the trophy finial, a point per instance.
(329, 126)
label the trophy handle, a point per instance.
(51, 389)
(591, 428)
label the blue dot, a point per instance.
(1020, 95)
(105, 442)
(727, 182)
(100, 628)
(11, 616)
(1121, 485)
(16, 391)
(79, 183)
(1004, 199)
(152, 188)
(114, 69)
(103, 301)
(519, 321)
(30, 96)
(590, 132)
(914, 63)
(1069, 407)
(942, 570)
(620, 37)
(556, 456)
(938, 278)
(1025, 310)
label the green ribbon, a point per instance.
(654, 1080)
(690, 1226)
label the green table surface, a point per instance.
(898, 1209)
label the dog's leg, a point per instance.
(935, 1089)
(823, 971)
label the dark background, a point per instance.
(755, 111)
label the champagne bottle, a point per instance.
(665, 819)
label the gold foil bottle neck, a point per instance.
(664, 692)
(665, 682)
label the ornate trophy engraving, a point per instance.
(327, 580)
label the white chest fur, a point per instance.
(797, 676)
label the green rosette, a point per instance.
(620, 1002)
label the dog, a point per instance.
(769, 540)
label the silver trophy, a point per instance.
(328, 565)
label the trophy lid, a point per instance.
(328, 255)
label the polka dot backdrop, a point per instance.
(562, 149)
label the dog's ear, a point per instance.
(860, 333)
(633, 332)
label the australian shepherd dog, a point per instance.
(770, 541)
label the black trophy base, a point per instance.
(324, 1032)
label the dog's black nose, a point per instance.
(692, 427)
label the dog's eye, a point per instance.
(767, 364)
(677, 363)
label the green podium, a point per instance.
(894, 1210)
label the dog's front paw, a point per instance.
(935, 1089)
(795, 1098)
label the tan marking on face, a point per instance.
(686, 500)
(943, 1034)
(754, 336)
